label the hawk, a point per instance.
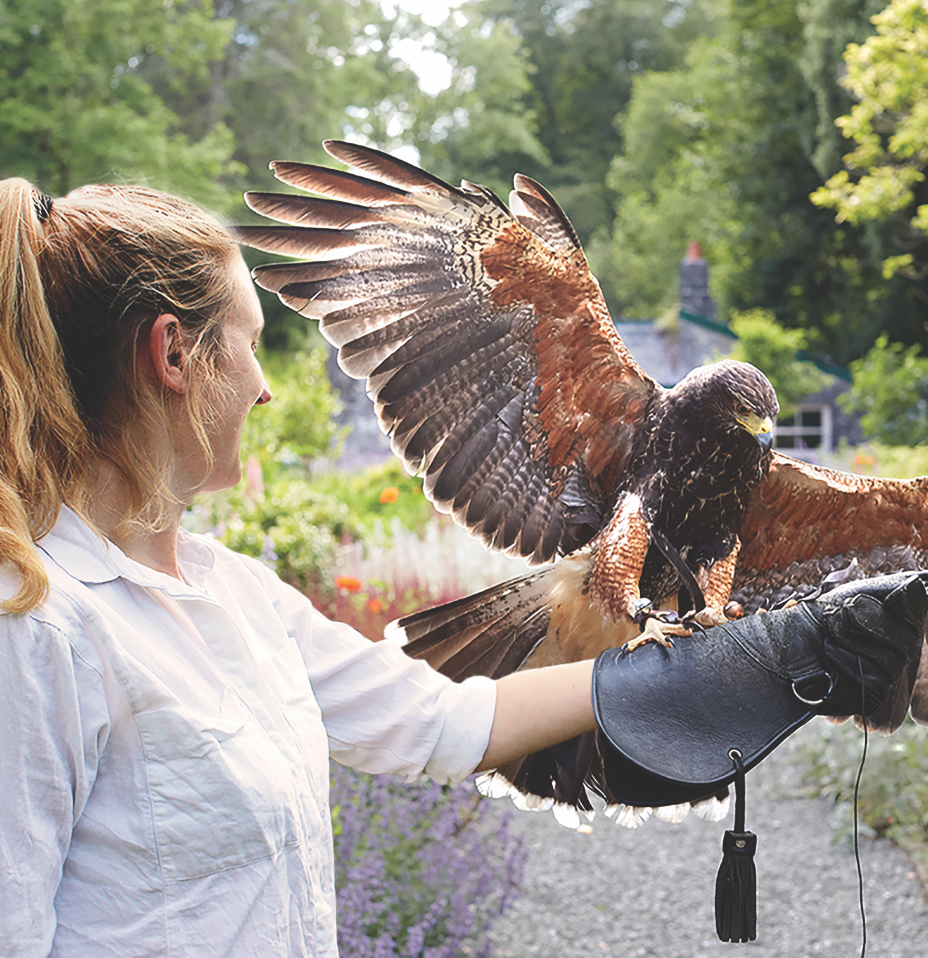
(497, 372)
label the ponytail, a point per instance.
(43, 443)
(80, 279)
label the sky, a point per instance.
(433, 69)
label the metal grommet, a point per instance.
(734, 753)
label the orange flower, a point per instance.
(374, 605)
(390, 494)
(348, 583)
(864, 460)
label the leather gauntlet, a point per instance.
(675, 717)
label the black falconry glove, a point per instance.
(686, 721)
(674, 716)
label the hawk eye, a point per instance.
(742, 410)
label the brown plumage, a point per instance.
(499, 376)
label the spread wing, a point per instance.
(806, 520)
(806, 524)
(484, 339)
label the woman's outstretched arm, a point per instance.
(538, 708)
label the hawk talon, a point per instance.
(657, 626)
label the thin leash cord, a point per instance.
(860, 773)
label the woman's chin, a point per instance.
(221, 480)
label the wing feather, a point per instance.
(538, 210)
(805, 521)
(485, 341)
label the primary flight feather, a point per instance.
(499, 376)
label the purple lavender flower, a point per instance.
(268, 554)
(420, 870)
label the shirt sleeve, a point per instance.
(385, 712)
(54, 728)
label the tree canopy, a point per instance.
(726, 149)
(653, 122)
(884, 175)
(77, 106)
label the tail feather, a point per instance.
(495, 633)
(490, 633)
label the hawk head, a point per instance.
(734, 396)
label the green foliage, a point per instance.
(725, 149)
(763, 342)
(77, 106)
(290, 525)
(887, 76)
(297, 426)
(891, 390)
(479, 127)
(378, 496)
(298, 523)
(665, 189)
(878, 459)
(276, 512)
(894, 786)
(579, 61)
(294, 73)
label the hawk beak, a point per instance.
(760, 429)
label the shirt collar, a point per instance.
(91, 558)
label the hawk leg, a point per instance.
(715, 583)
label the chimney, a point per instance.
(694, 283)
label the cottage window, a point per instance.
(809, 428)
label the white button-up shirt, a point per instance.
(164, 754)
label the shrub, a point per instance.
(298, 425)
(893, 788)
(421, 871)
(878, 459)
(379, 496)
(891, 390)
(289, 524)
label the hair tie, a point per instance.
(43, 206)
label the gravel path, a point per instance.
(650, 892)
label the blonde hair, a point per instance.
(81, 279)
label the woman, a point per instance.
(169, 707)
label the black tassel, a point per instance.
(736, 885)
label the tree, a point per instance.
(479, 127)
(885, 175)
(581, 59)
(293, 73)
(726, 150)
(77, 107)
(891, 390)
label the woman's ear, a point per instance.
(167, 353)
